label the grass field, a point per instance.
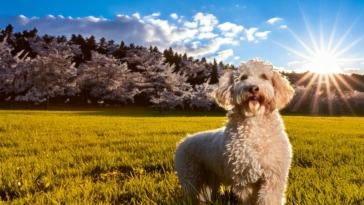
(126, 157)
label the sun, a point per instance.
(323, 63)
(324, 60)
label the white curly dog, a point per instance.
(252, 154)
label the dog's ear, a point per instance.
(283, 91)
(223, 94)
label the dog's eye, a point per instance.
(244, 77)
(264, 77)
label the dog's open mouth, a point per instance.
(254, 103)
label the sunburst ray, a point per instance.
(292, 50)
(314, 108)
(328, 93)
(304, 78)
(341, 94)
(302, 97)
(309, 30)
(323, 61)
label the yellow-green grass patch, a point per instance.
(107, 157)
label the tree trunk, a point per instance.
(28, 105)
(47, 102)
(11, 104)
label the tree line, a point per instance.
(81, 70)
(43, 69)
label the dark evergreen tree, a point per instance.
(80, 41)
(7, 32)
(214, 78)
(48, 38)
(185, 57)
(168, 55)
(102, 46)
(90, 45)
(111, 47)
(73, 39)
(203, 59)
(61, 39)
(121, 51)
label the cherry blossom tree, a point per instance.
(347, 102)
(201, 96)
(107, 78)
(51, 73)
(13, 72)
(302, 98)
(357, 98)
(336, 102)
(198, 71)
(195, 70)
(156, 78)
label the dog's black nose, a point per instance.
(254, 89)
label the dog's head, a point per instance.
(253, 89)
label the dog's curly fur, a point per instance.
(252, 154)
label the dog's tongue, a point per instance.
(253, 105)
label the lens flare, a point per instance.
(323, 63)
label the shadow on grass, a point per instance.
(8, 195)
(225, 198)
(126, 111)
(147, 112)
(122, 172)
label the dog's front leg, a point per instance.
(248, 194)
(272, 191)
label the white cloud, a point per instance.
(136, 15)
(206, 35)
(207, 22)
(190, 24)
(130, 29)
(221, 56)
(250, 33)
(162, 31)
(229, 29)
(195, 44)
(294, 63)
(281, 69)
(93, 19)
(210, 47)
(352, 70)
(153, 15)
(283, 26)
(236, 57)
(156, 14)
(196, 37)
(262, 35)
(48, 16)
(273, 20)
(174, 16)
(227, 26)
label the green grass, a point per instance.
(126, 157)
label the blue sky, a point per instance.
(293, 35)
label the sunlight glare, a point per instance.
(323, 62)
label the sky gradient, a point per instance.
(293, 35)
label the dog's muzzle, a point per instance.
(254, 100)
